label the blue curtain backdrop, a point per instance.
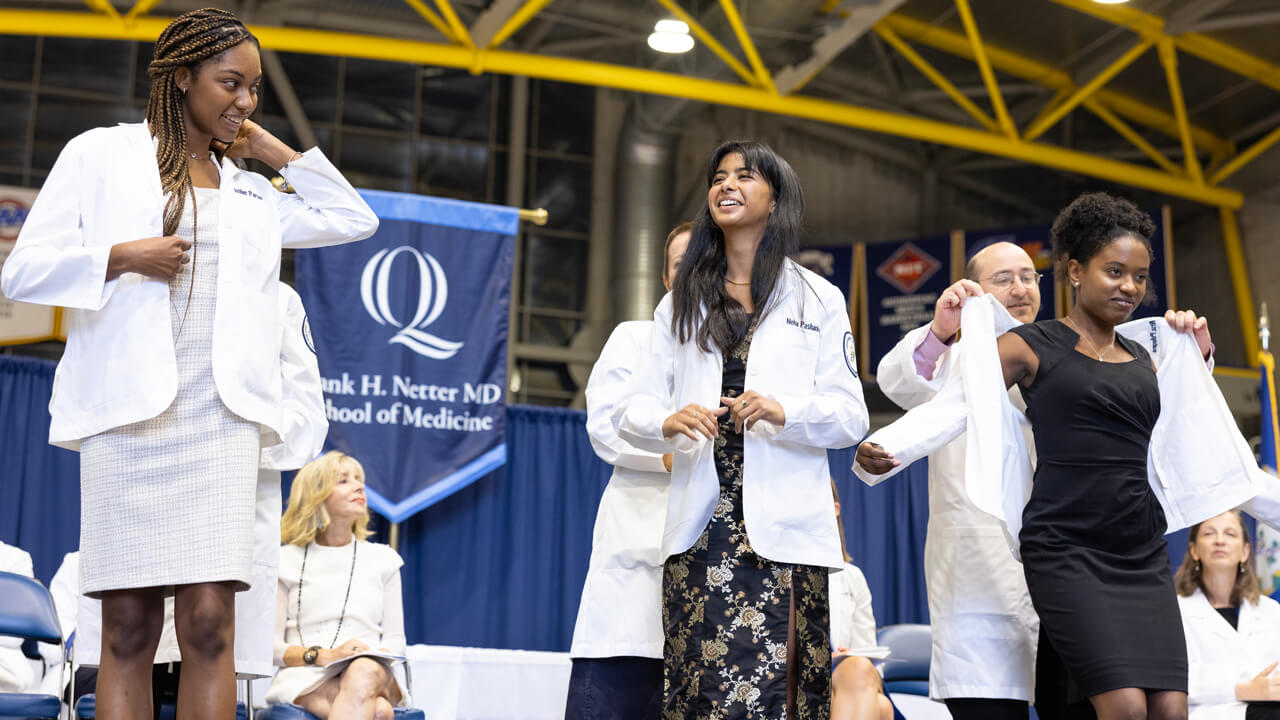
(498, 564)
(40, 490)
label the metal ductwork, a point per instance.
(643, 211)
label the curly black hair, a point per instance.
(1092, 222)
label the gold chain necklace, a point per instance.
(1084, 337)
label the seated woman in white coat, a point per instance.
(337, 596)
(1233, 632)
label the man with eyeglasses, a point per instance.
(984, 628)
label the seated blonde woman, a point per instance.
(337, 596)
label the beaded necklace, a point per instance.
(354, 544)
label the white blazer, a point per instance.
(1198, 463)
(853, 623)
(985, 630)
(621, 609)
(802, 355)
(303, 430)
(1220, 656)
(303, 426)
(119, 365)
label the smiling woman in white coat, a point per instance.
(758, 355)
(167, 255)
(1233, 631)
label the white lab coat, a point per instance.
(621, 609)
(1198, 463)
(303, 430)
(985, 630)
(104, 189)
(1220, 656)
(18, 673)
(853, 623)
(802, 355)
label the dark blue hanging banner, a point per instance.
(835, 264)
(410, 327)
(903, 282)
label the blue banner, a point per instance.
(902, 284)
(1269, 430)
(834, 263)
(410, 328)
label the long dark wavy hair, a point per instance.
(700, 281)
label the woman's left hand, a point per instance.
(1186, 321)
(751, 407)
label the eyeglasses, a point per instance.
(1004, 280)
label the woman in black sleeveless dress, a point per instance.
(1092, 541)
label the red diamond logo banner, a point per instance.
(908, 268)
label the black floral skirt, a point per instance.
(726, 611)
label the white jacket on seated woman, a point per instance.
(1233, 632)
(337, 596)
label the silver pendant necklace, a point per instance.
(1084, 337)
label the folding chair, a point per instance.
(28, 613)
(907, 668)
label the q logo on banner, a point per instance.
(434, 291)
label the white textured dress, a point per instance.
(374, 612)
(170, 500)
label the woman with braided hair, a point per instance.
(167, 256)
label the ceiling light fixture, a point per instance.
(671, 36)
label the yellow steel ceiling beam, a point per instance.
(1245, 157)
(140, 8)
(301, 40)
(1058, 97)
(1240, 283)
(459, 31)
(709, 41)
(1202, 46)
(1169, 59)
(984, 68)
(1054, 113)
(748, 47)
(1033, 71)
(102, 6)
(517, 21)
(430, 16)
(1128, 133)
(938, 78)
